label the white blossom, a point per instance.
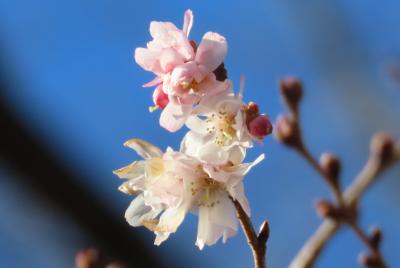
(171, 184)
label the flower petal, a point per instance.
(210, 86)
(138, 212)
(154, 82)
(197, 125)
(130, 171)
(174, 116)
(216, 221)
(211, 51)
(159, 30)
(169, 222)
(169, 59)
(148, 59)
(237, 193)
(143, 148)
(187, 22)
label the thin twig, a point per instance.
(303, 150)
(256, 243)
(365, 239)
(310, 251)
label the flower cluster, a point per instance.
(207, 173)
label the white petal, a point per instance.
(212, 153)
(173, 117)
(131, 171)
(216, 221)
(242, 169)
(169, 222)
(138, 212)
(237, 193)
(191, 143)
(134, 185)
(197, 124)
(143, 148)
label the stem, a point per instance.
(311, 160)
(310, 251)
(256, 243)
(364, 238)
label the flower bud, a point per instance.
(287, 132)
(382, 147)
(330, 164)
(292, 91)
(375, 237)
(263, 234)
(260, 126)
(160, 99)
(369, 260)
(86, 258)
(325, 209)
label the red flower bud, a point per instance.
(260, 126)
(160, 99)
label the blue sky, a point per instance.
(80, 91)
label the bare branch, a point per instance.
(312, 248)
(256, 243)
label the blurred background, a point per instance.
(70, 95)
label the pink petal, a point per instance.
(154, 82)
(211, 51)
(183, 73)
(147, 59)
(210, 86)
(160, 30)
(182, 44)
(187, 22)
(169, 59)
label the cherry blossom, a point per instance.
(171, 184)
(184, 71)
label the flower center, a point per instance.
(206, 189)
(222, 125)
(193, 85)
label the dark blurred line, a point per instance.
(30, 161)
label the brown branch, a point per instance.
(369, 174)
(256, 242)
(379, 261)
(303, 150)
(383, 154)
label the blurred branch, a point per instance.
(383, 153)
(315, 244)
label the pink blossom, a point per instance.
(169, 47)
(186, 73)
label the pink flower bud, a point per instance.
(260, 126)
(160, 99)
